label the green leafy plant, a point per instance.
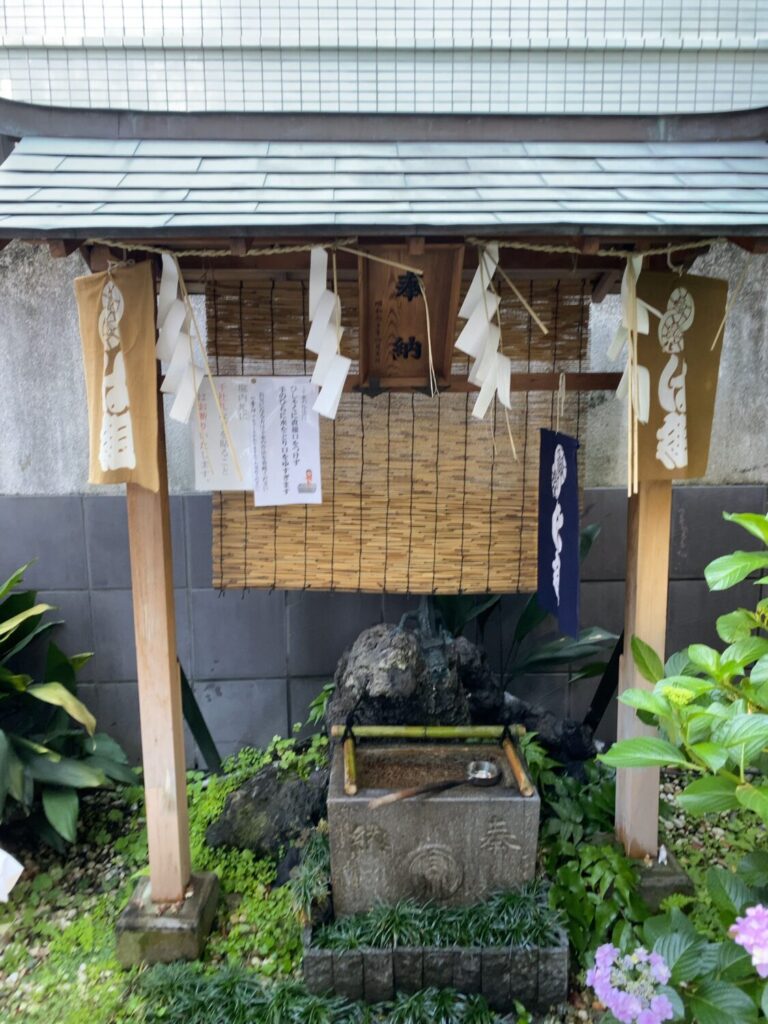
(575, 809)
(595, 887)
(318, 705)
(540, 765)
(711, 707)
(49, 748)
(311, 881)
(458, 610)
(715, 981)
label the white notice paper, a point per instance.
(214, 467)
(286, 442)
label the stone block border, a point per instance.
(537, 977)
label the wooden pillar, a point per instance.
(645, 616)
(162, 729)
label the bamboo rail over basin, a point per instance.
(426, 732)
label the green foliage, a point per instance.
(458, 610)
(49, 748)
(262, 930)
(540, 765)
(724, 841)
(310, 885)
(186, 992)
(710, 706)
(208, 794)
(715, 980)
(574, 810)
(319, 704)
(522, 918)
(596, 889)
(594, 885)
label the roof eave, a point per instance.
(24, 119)
(225, 234)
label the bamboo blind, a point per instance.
(418, 497)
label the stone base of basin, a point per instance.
(538, 977)
(451, 848)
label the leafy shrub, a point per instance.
(711, 707)
(44, 758)
(715, 981)
(596, 889)
(594, 885)
(575, 809)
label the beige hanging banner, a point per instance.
(685, 315)
(117, 328)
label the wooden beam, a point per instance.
(604, 285)
(645, 616)
(162, 728)
(519, 382)
(98, 257)
(62, 247)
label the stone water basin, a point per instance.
(452, 848)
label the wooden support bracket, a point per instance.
(645, 616)
(62, 247)
(604, 285)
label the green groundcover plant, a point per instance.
(520, 918)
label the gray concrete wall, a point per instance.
(256, 659)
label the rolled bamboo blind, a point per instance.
(418, 497)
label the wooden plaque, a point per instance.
(393, 320)
(683, 369)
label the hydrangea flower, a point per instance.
(751, 932)
(628, 985)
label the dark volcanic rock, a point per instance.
(269, 811)
(565, 739)
(394, 676)
(483, 687)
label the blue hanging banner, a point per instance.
(558, 590)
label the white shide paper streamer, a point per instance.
(324, 337)
(480, 338)
(184, 369)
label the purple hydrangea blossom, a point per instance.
(751, 932)
(628, 985)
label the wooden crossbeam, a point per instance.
(519, 382)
